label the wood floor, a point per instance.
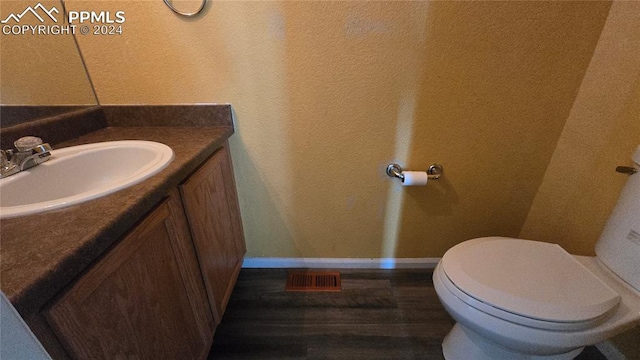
(380, 314)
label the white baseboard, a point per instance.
(339, 263)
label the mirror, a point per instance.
(41, 74)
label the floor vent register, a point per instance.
(314, 281)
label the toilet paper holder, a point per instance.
(434, 171)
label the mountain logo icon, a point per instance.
(34, 12)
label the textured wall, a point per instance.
(580, 187)
(40, 69)
(328, 93)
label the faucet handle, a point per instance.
(4, 161)
(27, 143)
(5, 164)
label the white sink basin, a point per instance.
(80, 173)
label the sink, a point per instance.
(81, 173)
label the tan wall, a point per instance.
(40, 69)
(328, 93)
(602, 131)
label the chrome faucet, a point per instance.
(29, 151)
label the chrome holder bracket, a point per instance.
(433, 172)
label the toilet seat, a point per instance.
(527, 282)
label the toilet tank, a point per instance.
(619, 245)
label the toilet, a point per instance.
(519, 299)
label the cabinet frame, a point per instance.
(210, 202)
(162, 237)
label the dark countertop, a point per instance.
(43, 253)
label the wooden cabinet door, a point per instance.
(144, 300)
(211, 204)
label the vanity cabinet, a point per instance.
(160, 291)
(144, 299)
(211, 204)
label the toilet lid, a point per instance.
(529, 278)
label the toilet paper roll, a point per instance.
(414, 178)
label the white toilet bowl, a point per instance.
(486, 331)
(518, 299)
